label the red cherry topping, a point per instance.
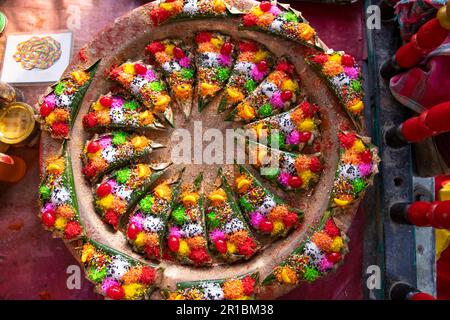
(45, 110)
(265, 6)
(366, 156)
(221, 246)
(315, 165)
(115, 292)
(286, 95)
(140, 68)
(262, 66)
(203, 36)
(334, 257)
(89, 120)
(305, 136)
(178, 53)
(295, 181)
(49, 217)
(266, 226)
(174, 243)
(103, 190)
(226, 49)
(347, 60)
(249, 20)
(93, 147)
(106, 101)
(132, 231)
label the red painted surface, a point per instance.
(32, 264)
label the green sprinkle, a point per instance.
(146, 203)
(179, 215)
(265, 110)
(277, 139)
(119, 137)
(212, 219)
(358, 185)
(187, 73)
(156, 86)
(271, 173)
(123, 175)
(311, 274)
(45, 192)
(250, 85)
(131, 105)
(356, 85)
(96, 275)
(247, 206)
(59, 89)
(223, 74)
(290, 16)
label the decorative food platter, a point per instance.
(177, 77)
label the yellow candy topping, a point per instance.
(140, 142)
(60, 223)
(140, 239)
(246, 112)
(234, 95)
(341, 203)
(163, 191)
(169, 49)
(184, 250)
(337, 244)
(190, 198)
(289, 85)
(217, 42)
(128, 68)
(231, 248)
(242, 183)
(143, 170)
(219, 6)
(207, 89)
(146, 117)
(56, 166)
(183, 91)
(51, 118)
(356, 107)
(106, 202)
(307, 125)
(217, 196)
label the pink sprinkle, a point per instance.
(283, 178)
(105, 142)
(49, 206)
(112, 183)
(256, 74)
(50, 100)
(175, 231)
(138, 220)
(274, 10)
(108, 283)
(256, 219)
(276, 100)
(224, 60)
(117, 102)
(293, 137)
(150, 75)
(365, 169)
(351, 72)
(325, 265)
(217, 234)
(185, 62)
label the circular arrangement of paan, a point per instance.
(145, 225)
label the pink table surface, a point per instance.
(33, 265)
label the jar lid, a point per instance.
(16, 122)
